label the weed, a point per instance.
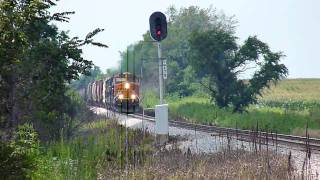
(238, 164)
(97, 144)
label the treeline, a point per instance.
(95, 74)
(203, 55)
(181, 24)
(37, 62)
(203, 58)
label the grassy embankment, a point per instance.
(285, 108)
(96, 147)
(98, 152)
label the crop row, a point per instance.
(290, 105)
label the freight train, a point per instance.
(121, 93)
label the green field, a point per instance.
(284, 108)
(295, 90)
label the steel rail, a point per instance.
(246, 135)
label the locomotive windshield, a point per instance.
(126, 77)
(119, 80)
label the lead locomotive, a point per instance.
(119, 92)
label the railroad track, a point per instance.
(245, 135)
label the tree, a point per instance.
(37, 61)
(181, 23)
(84, 80)
(215, 54)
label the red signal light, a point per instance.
(159, 33)
(158, 26)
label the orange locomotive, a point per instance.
(119, 92)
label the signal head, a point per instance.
(158, 26)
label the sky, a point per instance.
(290, 26)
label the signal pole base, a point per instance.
(161, 139)
(162, 124)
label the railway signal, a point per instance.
(158, 26)
(158, 31)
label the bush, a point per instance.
(49, 124)
(14, 165)
(25, 140)
(19, 158)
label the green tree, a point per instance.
(84, 80)
(181, 23)
(215, 54)
(36, 63)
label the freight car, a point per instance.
(119, 92)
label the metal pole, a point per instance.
(161, 111)
(160, 73)
(141, 98)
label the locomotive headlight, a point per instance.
(127, 85)
(121, 96)
(133, 96)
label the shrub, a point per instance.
(19, 157)
(14, 165)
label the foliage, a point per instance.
(98, 145)
(149, 99)
(25, 140)
(142, 56)
(216, 55)
(84, 80)
(13, 165)
(19, 158)
(95, 74)
(278, 116)
(37, 62)
(278, 120)
(78, 113)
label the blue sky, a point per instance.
(291, 26)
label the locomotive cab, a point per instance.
(126, 92)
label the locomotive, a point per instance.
(121, 93)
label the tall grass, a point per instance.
(149, 99)
(97, 144)
(233, 164)
(284, 108)
(268, 118)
